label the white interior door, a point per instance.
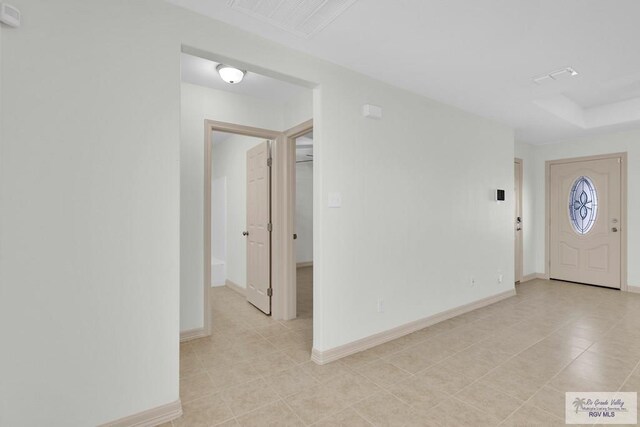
(518, 221)
(259, 227)
(584, 223)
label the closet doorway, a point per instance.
(300, 141)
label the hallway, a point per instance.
(245, 348)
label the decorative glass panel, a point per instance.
(583, 205)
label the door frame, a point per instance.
(287, 269)
(519, 248)
(211, 126)
(623, 210)
(283, 263)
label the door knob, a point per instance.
(245, 233)
(614, 229)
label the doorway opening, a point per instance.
(249, 210)
(265, 108)
(518, 220)
(241, 216)
(586, 220)
(252, 177)
(302, 142)
(231, 203)
(243, 287)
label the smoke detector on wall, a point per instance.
(301, 18)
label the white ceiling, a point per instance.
(480, 55)
(200, 71)
(606, 92)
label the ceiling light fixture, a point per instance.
(230, 74)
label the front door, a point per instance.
(584, 224)
(259, 227)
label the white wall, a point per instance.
(611, 143)
(89, 255)
(4, 324)
(418, 215)
(218, 230)
(304, 207)
(297, 110)
(229, 159)
(94, 283)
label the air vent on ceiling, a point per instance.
(555, 75)
(304, 18)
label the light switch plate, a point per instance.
(335, 200)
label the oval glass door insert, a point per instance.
(583, 205)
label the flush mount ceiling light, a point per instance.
(556, 75)
(230, 74)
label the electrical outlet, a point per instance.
(472, 281)
(500, 277)
(380, 305)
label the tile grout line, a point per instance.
(547, 384)
(293, 411)
(507, 360)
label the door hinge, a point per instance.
(270, 292)
(269, 161)
(269, 227)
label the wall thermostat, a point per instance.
(500, 195)
(9, 15)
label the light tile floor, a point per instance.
(507, 364)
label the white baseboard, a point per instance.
(235, 287)
(192, 334)
(532, 276)
(634, 289)
(304, 264)
(150, 417)
(323, 357)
